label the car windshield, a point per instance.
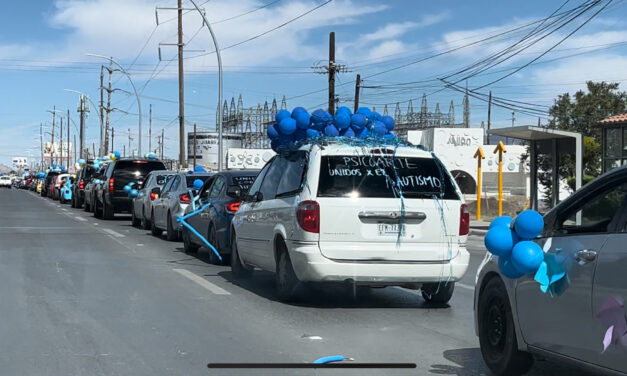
(384, 177)
(135, 169)
(191, 179)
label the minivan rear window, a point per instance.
(136, 169)
(384, 177)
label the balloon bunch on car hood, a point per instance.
(289, 129)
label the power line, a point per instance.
(246, 13)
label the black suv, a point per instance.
(110, 197)
(83, 177)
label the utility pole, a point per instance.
(54, 113)
(332, 73)
(357, 88)
(124, 150)
(539, 124)
(150, 129)
(489, 114)
(162, 142)
(81, 136)
(181, 87)
(61, 140)
(74, 148)
(513, 118)
(101, 108)
(194, 147)
(108, 109)
(112, 138)
(129, 142)
(41, 143)
(68, 138)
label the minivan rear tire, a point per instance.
(286, 280)
(439, 292)
(108, 211)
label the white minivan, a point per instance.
(375, 216)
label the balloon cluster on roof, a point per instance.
(298, 126)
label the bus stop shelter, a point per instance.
(548, 141)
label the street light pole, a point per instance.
(215, 43)
(139, 106)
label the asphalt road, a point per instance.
(82, 296)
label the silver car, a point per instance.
(580, 318)
(172, 202)
(142, 204)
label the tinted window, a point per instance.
(244, 182)
(167, 186)
(594, 215)
(273, 178)
(294, 166)
(384, 177)
(175, 184)
(191, 179)
(162, 179)
(257, 184)
(217, 187)
(136, 169)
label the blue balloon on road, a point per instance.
(528, 224)
(507, 268)
(503, 220)
(500, 240)
(527, 256)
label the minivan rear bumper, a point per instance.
(310, 265)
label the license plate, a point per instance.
(391, 229)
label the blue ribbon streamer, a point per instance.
(190, 228)
(330, 359)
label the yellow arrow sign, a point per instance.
(479, 155)
(500, 148)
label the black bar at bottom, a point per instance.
(311, 365)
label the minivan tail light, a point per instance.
(81, 184)
(153, 196)
(111, 181)
(464, 220)
(308, 215)
(232, 207)
(185, 199)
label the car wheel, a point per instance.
(237, 268)
(171, 234)
(187, 242)
(134, 220)
(73, 201)
(87, 206)
(439, 293)
(97, 210)
(497, 335)
(153, 228)
(145, 222)
(213, 258)
(107, 210)
(286, 279)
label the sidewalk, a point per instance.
(478, 227)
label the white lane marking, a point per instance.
(202, 282)
(34, 228)
(114, 233)
(80, 219)
(464, 286)
(95, 223)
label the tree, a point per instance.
(582, 113)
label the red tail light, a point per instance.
(81, 184)
(185, 199)
(232, 207)
(111, 181)
(308, 214)
(153, 196)
(464, 220)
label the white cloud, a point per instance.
(606, 67)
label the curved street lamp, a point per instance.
(219, 114)
(139, 105)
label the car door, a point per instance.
(162, 202)
(610, 286)
(562, 320)
(245, 219)
(209, 212)
(144, 193)
(203, 195)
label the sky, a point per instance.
(43, 47)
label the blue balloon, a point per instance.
(273, 134)
(528, 224)
(274, 144)
(379, 129)
(318, 116)
(348, 132)
(117, 154)
(364, 133)
(374, 116)
(287, 126)
(198, 184)
(503, 220)
(283, 114)
(302, 118)
(343, 110)
(388, 135)
(364, 111)
(508, 269)
(358, 122)
(151, 156)
(199, 168)
(300, 134)
(298, 109)
(127, 188)
(133, 193)
(285, 139)
(81, 161)
(500, 240)
(527, 256)
(388, 121)
(312, 133)
(331, 131)
(342, 120)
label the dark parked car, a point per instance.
(224, 191)
(83, 177)
(48, 180)
(142, 204)
(110, 197)
(91, 186)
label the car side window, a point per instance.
(596, 214)
(167, 186)
(175, 184)
(206, 188)
(216, 188)
(291, 181)
(273, 178)
(257, 183)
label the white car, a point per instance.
(5, 181)
(335, 213)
